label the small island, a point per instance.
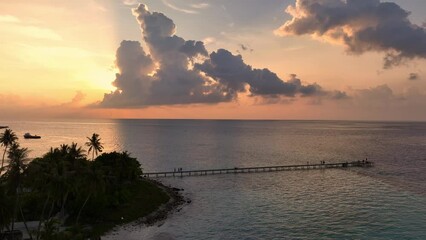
(67, 195)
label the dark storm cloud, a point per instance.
(177, 71)
(362, 25)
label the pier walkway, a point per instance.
(187, 173)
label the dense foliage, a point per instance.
(63, 188)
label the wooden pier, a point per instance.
(187, 173)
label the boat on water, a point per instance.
(29, 136)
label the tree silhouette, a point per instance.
(6, 139)
(14, 175)
(94, 144)
(76, 152)
(65, 184)
(91, 183)
(6, 206)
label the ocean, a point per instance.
(387, 201)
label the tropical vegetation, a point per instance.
(6, 139)
(94, 144)
(72, 197)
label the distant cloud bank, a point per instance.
(361, 25)
(179, 71)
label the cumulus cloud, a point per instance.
(164, 76)
(178, 71)
(231, 71)
(361, 25)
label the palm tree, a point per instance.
(94, 145)
(7, 139)
(76, 152)
(66, 163)
(63, 149)
(14, 174)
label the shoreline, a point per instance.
(159, 215)
(176, 200)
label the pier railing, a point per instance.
(235, 170)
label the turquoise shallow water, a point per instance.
(330, 204)
(384, 202)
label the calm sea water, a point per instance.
(384, 202)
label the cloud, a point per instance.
(413, 76)
(200, 5)
(231, 71)
(174, 7)
(209, 40)
(193, 8)
(9, 19)
(26, 107)
(338, 95)
(245, 48)
(361, 25)
(381, 92)
(76, 101)
(384, 98)
(165, 76)
(39, 32)
(130, 2)
(179, 71)
(379, 103)
(14, 25)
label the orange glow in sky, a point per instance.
(58, 60)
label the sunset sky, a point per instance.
(213, 59)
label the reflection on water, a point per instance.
(398, 149)
(387, 201)
(54, 134)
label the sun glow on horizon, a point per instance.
(59, 58)
(51, 48)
